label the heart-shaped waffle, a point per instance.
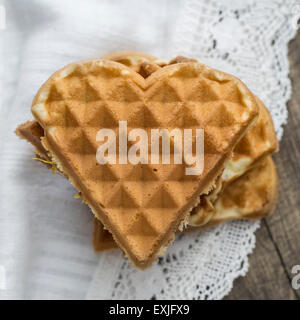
(142, 205)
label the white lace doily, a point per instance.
(248, 39)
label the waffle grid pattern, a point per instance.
(250, 196)
(141, 201)
(260, 140)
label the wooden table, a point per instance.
(278, 240)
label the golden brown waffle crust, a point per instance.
(263, 142)
(102, 239)
(134, 55)
(265, 208)
(202, 214)
(64, 167)
(32, 132)
(49, 143)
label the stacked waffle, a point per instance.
(139, 207)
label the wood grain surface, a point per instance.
(278, 240)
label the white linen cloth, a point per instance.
(45, 235)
